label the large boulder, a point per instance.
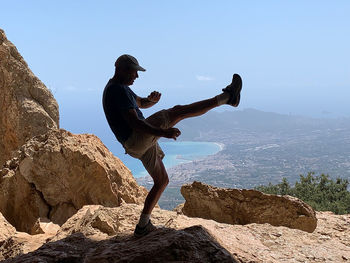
(83, 238)
(53, 175)
(237, 206)
(27, 107)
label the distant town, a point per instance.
(259, 148)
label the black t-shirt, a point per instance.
(117, 99)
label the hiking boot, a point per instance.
(234, 89)
(142, 231)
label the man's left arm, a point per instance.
(151, 99)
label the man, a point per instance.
(139, 135)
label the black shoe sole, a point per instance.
(237, 89)
(234, 89)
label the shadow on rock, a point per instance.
(192, 244)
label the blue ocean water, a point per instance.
(175, 153)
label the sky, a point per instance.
(293, 56)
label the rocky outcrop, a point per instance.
(193, 244)
(45, 226)
(6, 230)
(27, 107)
(21, 243)
(13, 243)
(186, 239)
(53, 175)
(236, 206)
(94, 221)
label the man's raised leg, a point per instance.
(180, 112)
(231, 95)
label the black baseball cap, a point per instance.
(128, 62)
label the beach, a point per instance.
(180, 152)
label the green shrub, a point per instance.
(320, 192)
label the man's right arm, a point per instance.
(142, 125)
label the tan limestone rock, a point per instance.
(79, 240)
(193, 244)
(13, 243)
(44, 226)
(53, 175)
(21, 243)
(27, 107)
(178, 209)
(94, 221)
(240, 206)
(6, 229)
(188, 237)
(20, 203)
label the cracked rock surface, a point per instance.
(27, 107)
(103, 234)
(53, 175)
(241, 206)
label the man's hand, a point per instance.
(172, 133)
(154, 96)
(151, 99)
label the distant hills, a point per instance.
(253, 120)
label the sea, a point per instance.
(177, 152)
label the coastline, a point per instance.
(173, 160)
(180, 157)
(221, 145)
(187, 160)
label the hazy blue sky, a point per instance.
(293, 56)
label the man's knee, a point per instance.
(166, 180)
(176, 113)
(177, 109)
(162, 182)
(159, 174)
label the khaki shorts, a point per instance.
(144, 146)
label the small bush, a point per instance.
(320, 192)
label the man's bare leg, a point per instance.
(231, 96)
(161, 180)
(181, 112)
